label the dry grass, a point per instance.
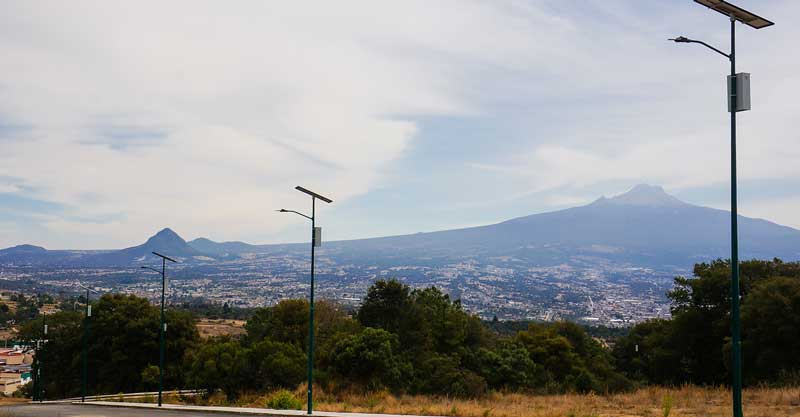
(648, 402)
(8, 334)
(11, 401)
(212, 328)
(12, 305)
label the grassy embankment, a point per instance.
(654, 401)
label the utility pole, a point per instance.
(39, 370)
(737, 101)
(163, 326)
(316, 240)
(85, 351)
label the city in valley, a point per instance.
(502, 287)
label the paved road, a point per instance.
(70, 410)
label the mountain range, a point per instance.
(644, 227)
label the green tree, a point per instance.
(385, 306)
(436, 336)
(444, 374)
(275, 365)
(123, 343)
(286, 322)
(27, 309)
(771, 329)
(58, 352)
(371, 358)
(648, 354)
(150, 376)
(694, 346)
(218, 364)
(509, 366)
(571, 359)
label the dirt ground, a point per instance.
(10, 400)
(211, 328)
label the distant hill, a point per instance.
(223, 249)
(23, 253)
(645, 227)
(24, 250)
(166, 241)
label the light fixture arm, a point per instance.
(152, 269)
(296, 212)
(87, 288)
(682, 39)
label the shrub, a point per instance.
(284, 400)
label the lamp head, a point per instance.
(681, 39)
(283, 211)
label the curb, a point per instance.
(194, 408)
(233, 410)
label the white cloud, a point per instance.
(666, 121)
(8, 188)
(245, 100)
(234, 104)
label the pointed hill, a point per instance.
(166, 242)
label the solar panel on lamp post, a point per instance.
(163, 329)
(737, 101)
(315, 241)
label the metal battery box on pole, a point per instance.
(738, 100)
(316, 241)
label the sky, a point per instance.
(118, 119)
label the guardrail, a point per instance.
(130, 396)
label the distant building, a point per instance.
(15, 369)
(8, 386)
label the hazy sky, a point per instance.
(120, 118)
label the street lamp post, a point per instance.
(737, 101)
(316, 240)
(163, 328)
(85, 353)
(39, 370)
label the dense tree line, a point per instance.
(122, 348)
(421, 341)
(694, 346)
(404, 340)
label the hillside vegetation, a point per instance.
(406, 342)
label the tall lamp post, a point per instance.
(85, 353)
(738, 100)
(39, 369)
(163, 328)
(316, 240)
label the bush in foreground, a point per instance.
(283, 400)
